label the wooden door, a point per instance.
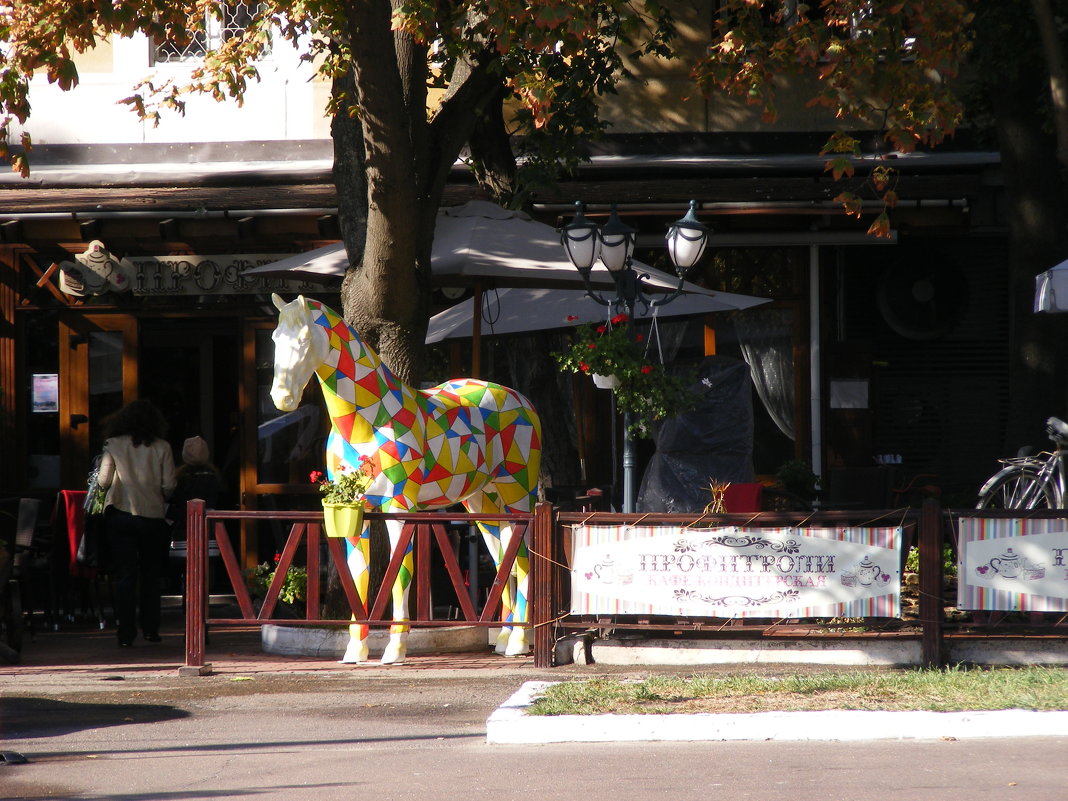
(97, 376)
(280, 449)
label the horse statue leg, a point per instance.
(512, 639)
(358, 560)
(397, 647)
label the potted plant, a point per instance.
(642, 387)
(345, 497)
(294, 588)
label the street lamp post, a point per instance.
(613, 243)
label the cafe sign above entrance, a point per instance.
(97, 271)
(736, 572)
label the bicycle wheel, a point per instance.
(1016, 487)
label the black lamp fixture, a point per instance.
(613, 243)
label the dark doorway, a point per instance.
(190, 370)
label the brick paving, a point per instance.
(83, 649)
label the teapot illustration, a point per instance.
(605, 571)
(1007, 565)
(868, 571)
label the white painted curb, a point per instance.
(511, 725)
(331, 642)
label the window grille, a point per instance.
(218, 28)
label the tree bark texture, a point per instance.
(1036, 209)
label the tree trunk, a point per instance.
(386, 296)
(1036, 208)
(348, 171)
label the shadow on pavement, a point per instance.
(21, 718)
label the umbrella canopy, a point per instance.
(479, 243)
(515, 310)
(1051, 289)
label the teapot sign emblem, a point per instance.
(1007, 565)
(868, 571)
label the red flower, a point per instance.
(639, 337)
(584, 367)
(646, 369)
(601, 329)
(316, 477)
(619, 319)
(592, 346)
(571, 318)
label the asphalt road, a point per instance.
(369, 735)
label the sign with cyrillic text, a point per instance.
(736, 572)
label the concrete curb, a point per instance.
(511, 725)
(331, 642)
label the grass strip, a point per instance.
(951, 690)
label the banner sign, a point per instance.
(736, 571)
(208, 275)
(97, 271)
(1012, 564)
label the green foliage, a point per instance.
(646, 389)
(294, 585)
(954, 689)
(891, 67)
(797, 477)
(949, 561)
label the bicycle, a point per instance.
(1031, 481)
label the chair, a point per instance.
(81, 583)
(743, 498)
(30, 551)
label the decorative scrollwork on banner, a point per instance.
(747, 541)
(735, 601)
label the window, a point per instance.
(231, 20)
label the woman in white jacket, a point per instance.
(138, 471)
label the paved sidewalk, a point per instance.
(81, 659)
(81, 652)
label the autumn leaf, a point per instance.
(851, 203)
(881, 226)
(839, 166)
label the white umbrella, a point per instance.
(479, 243)
(1051, 289)
(515, 310)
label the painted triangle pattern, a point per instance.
(465, 441)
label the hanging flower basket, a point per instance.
(343, 519)
(612, 353)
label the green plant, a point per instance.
(646, 389)
(949, 561)
(953, 689)
(350, 486)
(797, 477)
(294, 585)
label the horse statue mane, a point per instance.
(464, 441)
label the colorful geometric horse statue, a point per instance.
(464, 441)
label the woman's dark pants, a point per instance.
(138, 557)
